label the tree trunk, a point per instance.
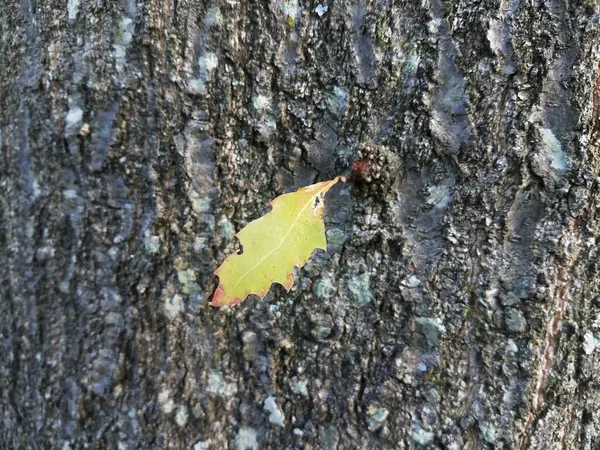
(457, 306)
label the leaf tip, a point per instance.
(218, 295)
(222, 298)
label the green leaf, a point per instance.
(273, 245)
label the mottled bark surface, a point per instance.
(458, 304)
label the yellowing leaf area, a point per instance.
(273, 245)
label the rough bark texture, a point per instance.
(458, 304)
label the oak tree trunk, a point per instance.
(457, 306)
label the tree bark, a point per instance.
(457, 306)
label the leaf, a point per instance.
(273, 245)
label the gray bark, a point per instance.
(457, 305)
